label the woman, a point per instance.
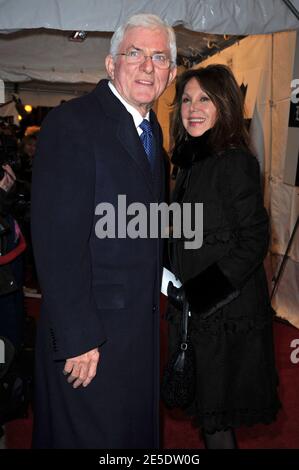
(224, 280)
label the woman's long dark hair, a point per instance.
(220, 85)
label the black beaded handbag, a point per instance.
(179, 377)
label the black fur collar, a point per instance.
(192, 150)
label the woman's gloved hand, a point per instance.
(176, 295)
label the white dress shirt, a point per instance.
(135, 114)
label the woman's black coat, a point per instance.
(235, 233)
(225, 284)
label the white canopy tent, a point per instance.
(212, 16)
(34, 45)
(47, 54)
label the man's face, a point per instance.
(141, 84)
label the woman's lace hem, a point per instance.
(216, 323)
(212, 421)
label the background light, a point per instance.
(78, 36)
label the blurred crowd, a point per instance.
(16, 258)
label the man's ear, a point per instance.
(110, 66)
(172, 75)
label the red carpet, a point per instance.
(178, 432)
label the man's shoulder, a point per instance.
(77, 111)
(82, 103)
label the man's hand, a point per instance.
(8, 179)
(82, 369)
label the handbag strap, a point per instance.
(184, 323)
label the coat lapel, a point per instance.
(125, 130)
(129, 139)
(158, 173)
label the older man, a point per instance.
(98, 340)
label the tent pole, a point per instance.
(292, 8)
(277, 277)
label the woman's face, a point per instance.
(197, 109)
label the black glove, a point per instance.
(176, 295)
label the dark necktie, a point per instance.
(147, 140)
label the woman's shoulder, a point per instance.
(239, 158)
(237, 152)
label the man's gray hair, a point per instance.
(145, 20)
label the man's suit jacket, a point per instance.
(96, 292)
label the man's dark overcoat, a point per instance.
(96, 292)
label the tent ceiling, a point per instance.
(81, 65)
(194, 47)
(45, 87)
(40, 49)
(49, 55)
(213, 16)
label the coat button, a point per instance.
(154, 308)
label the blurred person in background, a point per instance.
(22, 208)
(12, 245)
